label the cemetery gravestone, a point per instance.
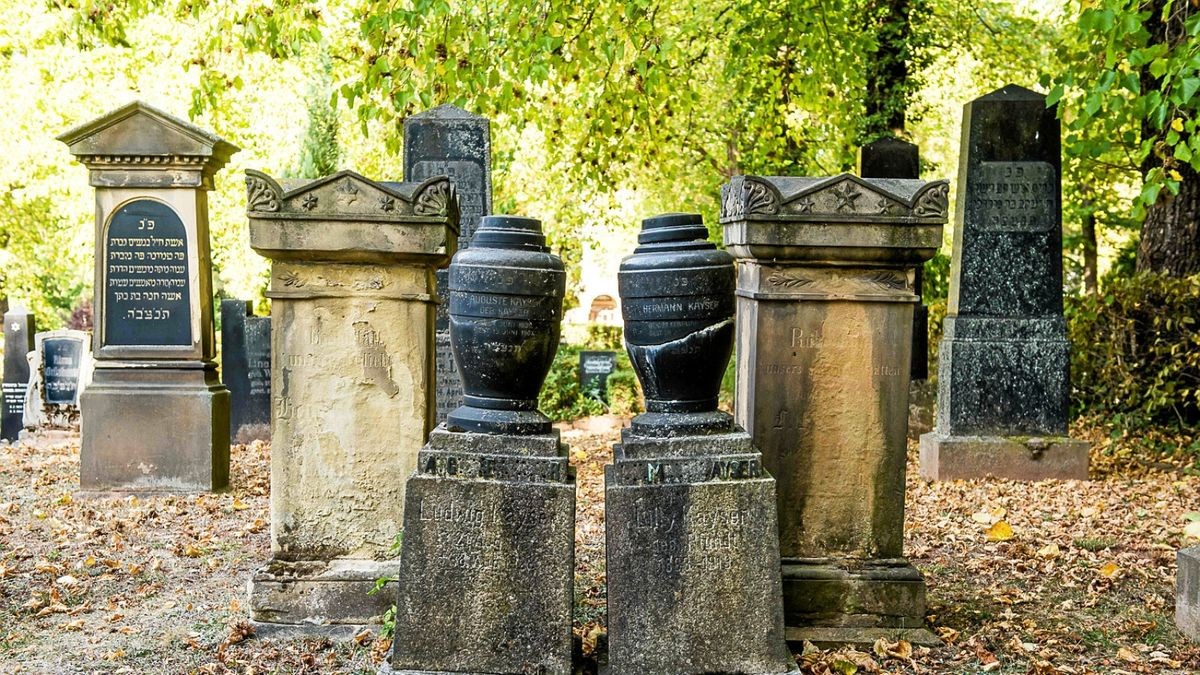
(892, 157)
(487, 569)
(246, 366)
(352, 312)
(1003, 372)
(1187, 593)
(449, 141)
(60, 368)
(156, 416)
(18, 342)
(692, 539)
(594, 369)
(825, 299)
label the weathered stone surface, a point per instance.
(1187, 592)
(449, 141)
(352, 319)
(156, 394)
(246, 370)
(487, 569)
(892, 157)
(1029, 458)
(825, 297)
(18, 342)
(1003, 366)
(306, 594)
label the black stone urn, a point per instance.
(506, 296)
(677, 299)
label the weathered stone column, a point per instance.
(156, 416)
(352, 306)
(1187, 592)
(487, 572)
(1004, 363)
(824, 325)
(692, 549)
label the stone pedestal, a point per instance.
(825, 297)
(1187, 593)
(487, 572)
(693, 557)
(156, 416)
(1003, 367)
(352, 304)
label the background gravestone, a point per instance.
(892, 157)
(449, 141)
(594, 369)
(18, 342)
(60, 368)
(246, 370)
(156, 416)
(1003, 366)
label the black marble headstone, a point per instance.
(449, 141)
(246, 368)
(62, 360)
(594, 369)
(1004, 361)
(892, 157)
(18, 342)
(146, 289)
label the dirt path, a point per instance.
(1045, 578)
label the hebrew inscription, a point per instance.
(146, 292)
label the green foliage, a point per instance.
(1136, 351)
(604, 337)
(561, 399)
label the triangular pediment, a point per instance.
(844, 196)
(140, 130)
(348, 195)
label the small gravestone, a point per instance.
(594, 369)
(18, 342)
(1187, 593)
(449, 141)
(892, 157)
(246, 369)
(60, 367)
(156, 417)
(1003, 371)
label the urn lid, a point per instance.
(668, 227)
(511, 232)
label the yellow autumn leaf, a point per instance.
(1110, 570)
(1127, 654)
(1001, 531)
(1049, 552)
(1174, 175)
(239, 505)
(1177, 125)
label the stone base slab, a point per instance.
(154, 430)
(319, 597)
(831, 638)
(1187, 593)
(693, 584)
(487, 574)
(1015, 458)
(849, 601)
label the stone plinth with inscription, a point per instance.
(18, 342)
(825, 300)
(246, 370)
(449, 141)
(156, 416)
(487, 568)
(352, 307)
(1003, 366)
(692, 549)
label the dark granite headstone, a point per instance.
(18, 342)
(246, 369)
(1003, 375)
(893, 157)
(594, 369)
(449, 141)
(62, 358)
(146, 298)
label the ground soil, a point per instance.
(1043, 578)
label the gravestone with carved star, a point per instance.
(824, 330)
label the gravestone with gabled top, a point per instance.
(156, 416)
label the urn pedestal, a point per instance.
(487, 567)
(825, 300)
(352, 310)
(692, 546)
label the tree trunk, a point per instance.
(1170, 242)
